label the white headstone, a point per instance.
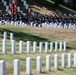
(4, 46)
(13, 47)
(5, 35)
(60, 46)
(64, 46)
(63, 60)
(48, 59)
(29, 66)
(56, 61)
(16, 67)
(11, 36)
(34, 47)
(41, 45)
(28, 46)
(51, 47)
(2, 67)
(69, 60)
(21, 46)
(46, 47)
(56, 46)
(39, 64)
(74, 59)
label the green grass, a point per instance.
(40, 35)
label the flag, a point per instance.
(15, 7)
(30, 11)
(11, 6)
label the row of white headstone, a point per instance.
(5, 36)
(39, 64)
(28, 47)
(13, 45)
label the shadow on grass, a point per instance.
(69, 47)
(22, 36)
(60, 69)
(44, 73)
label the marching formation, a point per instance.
(8, 19)
(39, 20)
(54, 20)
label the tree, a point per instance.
(57, 3)
(74, 4)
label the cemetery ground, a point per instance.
(39, 35)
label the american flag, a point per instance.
(15, 7)
(30, 11)
(11, 6)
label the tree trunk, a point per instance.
(74, 4)
(57, 3)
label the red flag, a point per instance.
(15, 7)
(11, 6)
(30, 11)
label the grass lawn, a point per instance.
(40, 35)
